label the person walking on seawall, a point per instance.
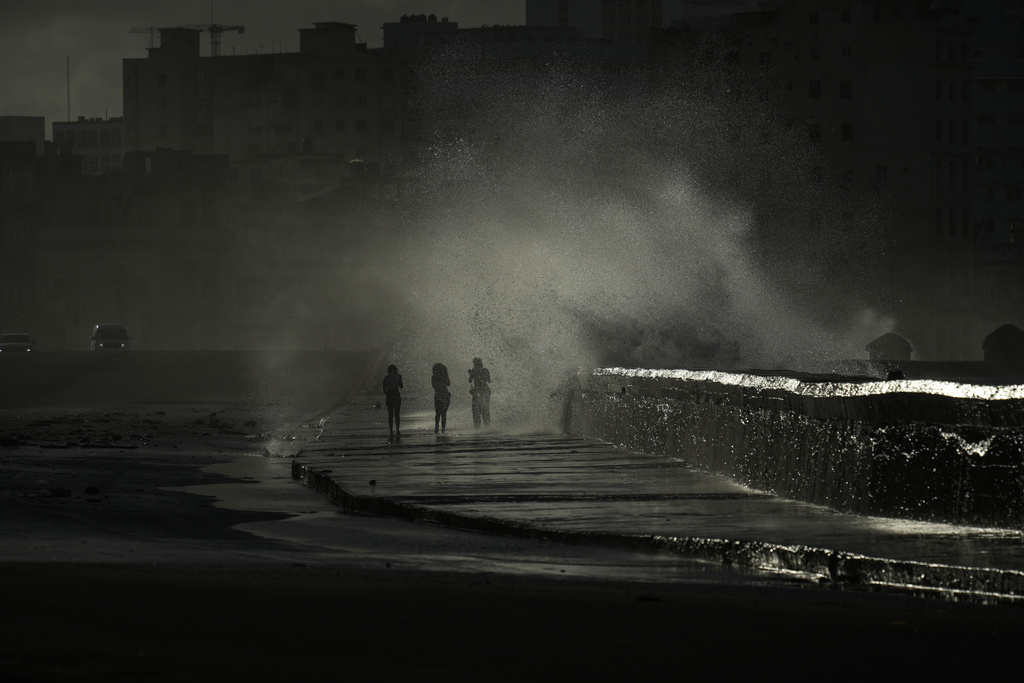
(442, 396)
(393, 398)
(480, 380)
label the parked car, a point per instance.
(16, 341)
(106, 336)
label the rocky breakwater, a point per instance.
(914, 449)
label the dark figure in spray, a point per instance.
(480, 380)
(393, 398)
(442, 396)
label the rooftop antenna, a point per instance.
(68, 70)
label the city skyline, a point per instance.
(46, 45)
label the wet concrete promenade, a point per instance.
(571, 490)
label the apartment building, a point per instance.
(883, 90)
(97, 141)
(333, 96)
(618, 21)
(997, 131)
(23, 129)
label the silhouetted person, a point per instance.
(480, 380)
(442, 396)
(393, 398)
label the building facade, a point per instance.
(333, 96)
(98, 141)
(629, 21)
(885, 90)
(24, 129)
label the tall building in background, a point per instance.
(630, 21)
(24, 129)
(98, 141)
(620, 21)
(997, 134)
(889, 93)
(333, 96)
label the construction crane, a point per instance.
(151, 30)
(215, 31)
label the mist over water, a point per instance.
(574, 225)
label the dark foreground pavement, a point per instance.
(107, 623)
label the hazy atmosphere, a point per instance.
(584, 221)
(510, 339)
(615, 226)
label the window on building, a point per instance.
(318, 127)
(815, 52)
(814, 132)
(812, 18)
(846, 132)
(339, 126)
(360, 74)
(845, 90)
(847, 51)
(844, 16)
(881, 175)
(938, 222)
(1013, 194)
(161, 79)
(814, 90)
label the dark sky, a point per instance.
(38, 37)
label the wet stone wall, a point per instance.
(934, 451)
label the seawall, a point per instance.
(915, 449)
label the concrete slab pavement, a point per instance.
(565, 489)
